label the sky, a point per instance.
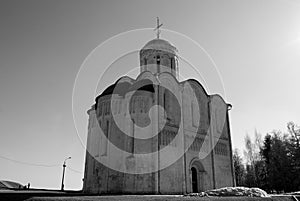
(255, 45)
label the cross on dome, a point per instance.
(157, 27)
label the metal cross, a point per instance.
(157, 27)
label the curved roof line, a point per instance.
(145, 72)
(174, 78)
(219, 96)
(125, 77)
(159, 44)
(111, 87)
(143, 84)
(108, 90)
(198, 83)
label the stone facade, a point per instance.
(156, 135)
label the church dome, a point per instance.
(159, 44)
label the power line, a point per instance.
(38, 165)
(28, 163)
(76, 171)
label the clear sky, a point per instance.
(255, 44)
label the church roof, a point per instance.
(143, 85)
(160, 44)
(120, 89)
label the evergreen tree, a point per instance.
(239, 168)
(294, 153)
(272, 164)
(266, 154)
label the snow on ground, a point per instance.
(233, 191)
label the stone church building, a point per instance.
(156, 135)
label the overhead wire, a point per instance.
(76, 171)
(38, 164)
(29, 163)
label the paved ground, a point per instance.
(156, 198)
(40, 195)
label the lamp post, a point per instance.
(63, 176)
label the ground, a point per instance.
(54, 195)
(155, 198)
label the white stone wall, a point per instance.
(222, 146)
(203, 118)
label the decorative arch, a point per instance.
(170, 80)
(195, 162)
(125, 79)
(147, 75)
(196, 171)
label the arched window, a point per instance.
(141, 104)
(158, 60)
(132, 105)
(100, 109)
(120, 107)
(165, 100)
(132, 139)
(165, 104)
(104, 139)
(195, 113)
(107, 128)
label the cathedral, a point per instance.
(156, 135)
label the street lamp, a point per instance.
(63, 176)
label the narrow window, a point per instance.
(114, 107)
(133, 105)
(146, 104)
(169, 137)
(158, 63)
(130, 106)
(104, 140)
(158, 60)
(165, 99)
(109, 107)
(195, 113)
(107, 129)
(165, 105)
(93, 165)
(141, 105)
(120, 106)
(106, 108)
(161, 138)
(132, 132)
(100, 109)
